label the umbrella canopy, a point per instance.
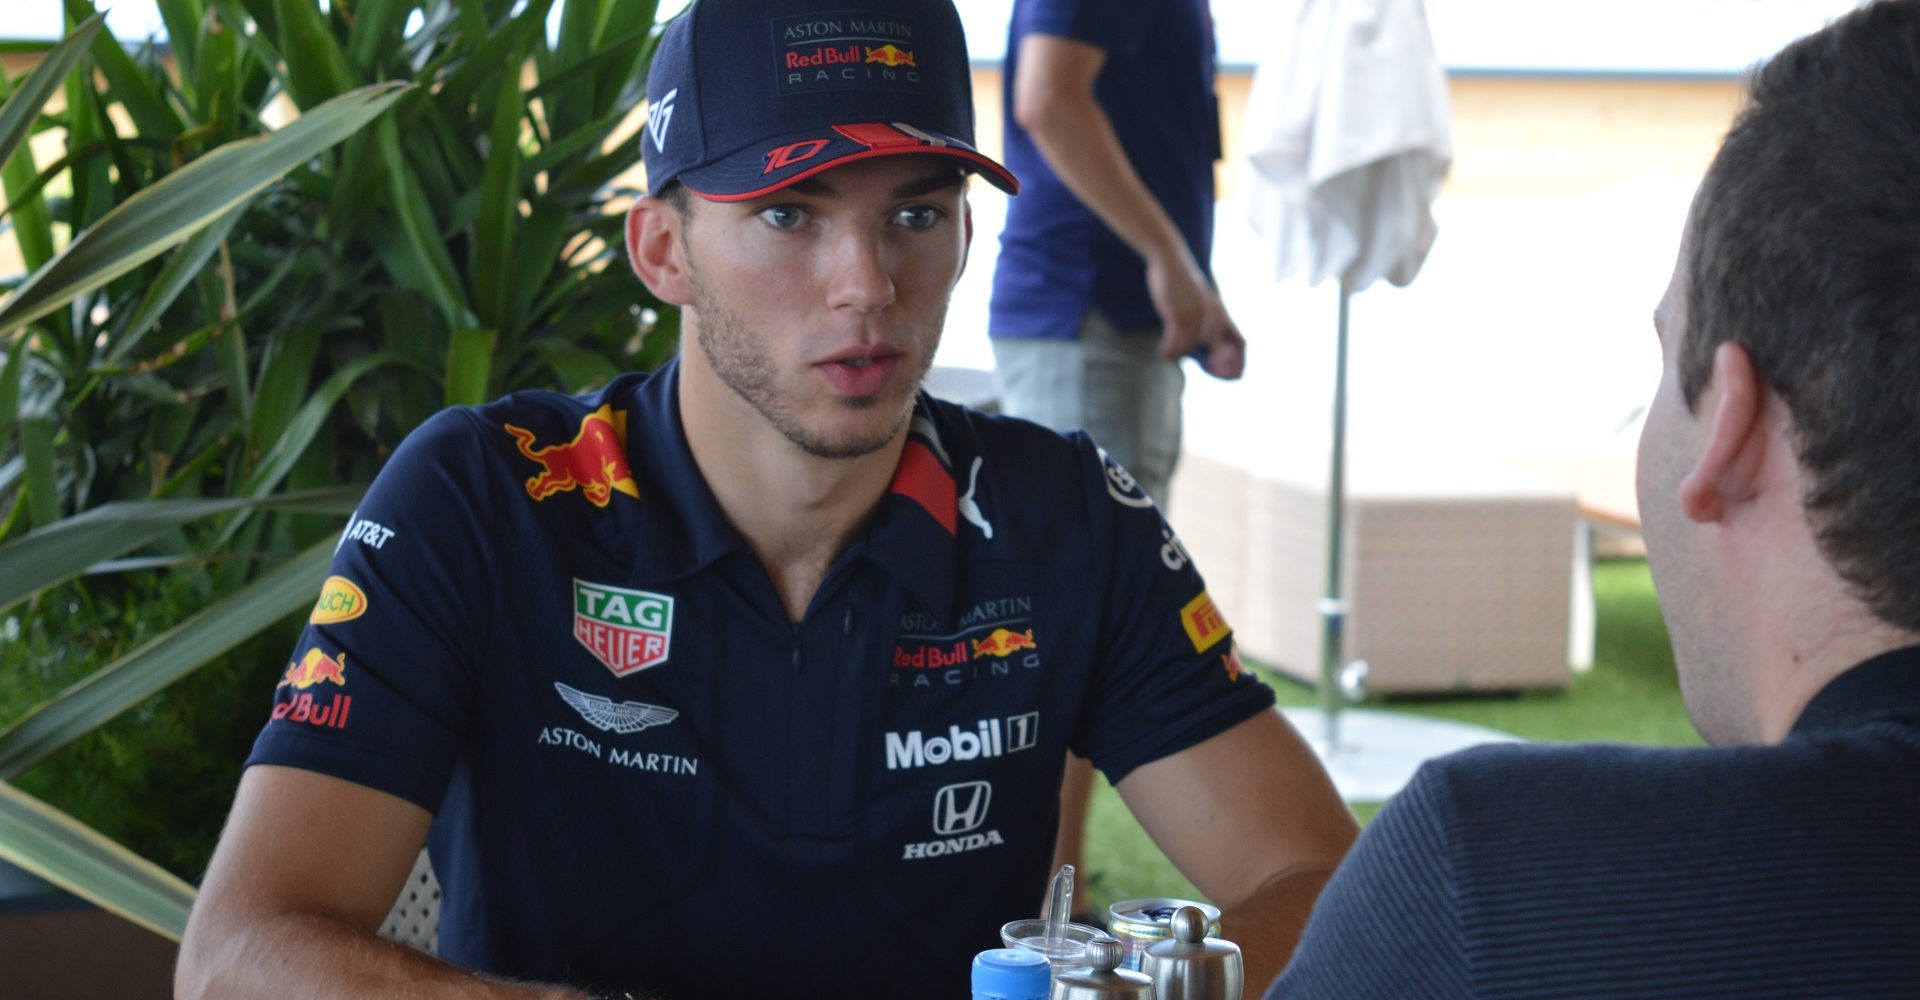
(1349, 132)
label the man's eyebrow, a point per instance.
(814, 187)
(942, 181)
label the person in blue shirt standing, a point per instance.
(752, 676)
(1104, 278)
(1777, 475)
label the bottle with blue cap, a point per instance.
(1010, 974)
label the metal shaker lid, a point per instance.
(1191, 966)
(1101, 979)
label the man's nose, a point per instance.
(858, 272)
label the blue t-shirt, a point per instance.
(1057, 259)
(541, 628)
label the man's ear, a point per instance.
(655, 251)
(1728, 471)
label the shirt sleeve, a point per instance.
(1166, 673)
(1389, 923)
(379, 687)
(1120, 27)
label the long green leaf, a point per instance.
(100, 696)
(311, 417)
(172, 210)
(128, 83)
(421, 235)
(16, 116)
(173, 279)
(499, 210)
(68, 853)
(66, 548)
(10, 374)
(43, 490)
(317, 70)
(469, 366)
(26, 208)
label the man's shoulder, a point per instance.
(1566, 808)
(547, 410)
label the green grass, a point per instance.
(1630, 696)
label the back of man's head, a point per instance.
(1806, 252)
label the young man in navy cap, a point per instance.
(753, 676)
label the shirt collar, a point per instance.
(1886, 687)
(913, 535)
(682, 530)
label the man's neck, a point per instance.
(797, 511)
(1804, 626)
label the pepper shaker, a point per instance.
(1100, 979)
(1189, 965)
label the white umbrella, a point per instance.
(1349, 132)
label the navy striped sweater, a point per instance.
(1537, 871)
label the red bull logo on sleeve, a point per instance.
(1231, 660)
(1004, 643)
(313, 669)
(594, 462)
(1204, 624)
(626, 630)
(341, 600)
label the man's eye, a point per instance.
(918, 217)
(783, 216)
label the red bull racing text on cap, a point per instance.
(749, 96)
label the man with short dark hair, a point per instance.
(1777, 482)
(754, 676)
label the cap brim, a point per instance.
(765, 167)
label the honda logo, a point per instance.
(962, 807)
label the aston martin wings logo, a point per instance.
(615, 716)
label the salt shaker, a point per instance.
(1192, 966)
(1100, 979)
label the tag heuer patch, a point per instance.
(628, 630)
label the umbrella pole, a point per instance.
(1333, 608)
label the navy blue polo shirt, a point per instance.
(1057, 259)
(541, 628)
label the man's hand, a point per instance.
(1192, 315)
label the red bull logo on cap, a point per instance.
(627, 630)
(890, 55)
(594, 462)
(1004, 643)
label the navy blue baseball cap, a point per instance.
(749, 96)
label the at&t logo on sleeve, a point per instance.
(628, 630)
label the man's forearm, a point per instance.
(304, 957)
(1267, 925)
(1079, 143)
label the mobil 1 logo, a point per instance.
(986, 738)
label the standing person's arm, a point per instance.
(307, 867)
(1053, 100)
